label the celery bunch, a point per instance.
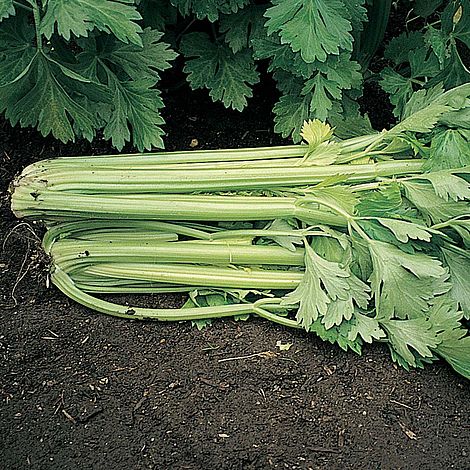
(356, 241)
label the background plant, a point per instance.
(72, 68)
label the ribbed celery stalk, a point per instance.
(265, 308)
(214, 157)
(171, 207)
(194, 275)
(70, 253)
(133, 180)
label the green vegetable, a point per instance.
(371, 250)
(73, 68)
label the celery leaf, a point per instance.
(416, 333)
(315, 28)
(226, 75)
(6, 9)
(44, 95)
(79, 17)
(450, 148)
(403, 284)
(210, 9)
(454, 344)
(459, 267)
(366, 327)
(243, 27)
(141, 62)
(323, 284)
(432, 207)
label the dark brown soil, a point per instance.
(81, 390)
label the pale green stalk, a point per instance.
(264, 308)
(70, 253)
(135, 181)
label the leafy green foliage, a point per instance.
(210, 9)
(243, 27)
(454, 345)
(417, 333)
(37, 90)
(226, 75)
(403, 284)
(317, 51)
(327, 290)
(6, 9)
(315, 28)
(459, 266)
(79, 17)
(136, 103)
(429, 57)
(108, 84)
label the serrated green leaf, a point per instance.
(289, 114)
(343, 309)
(450, 148)
(243, 27)
(423, 120)
(433, 207)
(366, 327)
(327, 85)
(16, 48)
(335, 196)
(157, 13)
(361, 263)
(459, 267)
(333, 247)
(417, 333)
(422, 98)
(403, 284)
(437, 40)
(454, 344)
(398, 48)
(325, 153)
(403, 230)
(449, 186)
(399, 88)
(210, 9)
(462, 227)
(455, 349)
(226, 75)
(423, 64)
(457, 119)
(356, 13)
(337, 335)
(323, 283)
(315, 28)
(315, 132)
(78, 17)
(136, 106)
(453, 72)
(281, 57)
(42, 97)
(380, 203)
(347, 119)
(286, 241)
(200, 324)
(6, 9)
(377, 231)
(141, 62)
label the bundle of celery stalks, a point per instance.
(357, 240)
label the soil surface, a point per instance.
(82, 390)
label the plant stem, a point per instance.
(37, 23)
